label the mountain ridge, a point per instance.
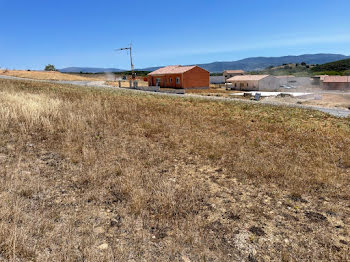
(247, 64)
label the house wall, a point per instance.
(165, 81)
(269, 83)
(152, 80)
(316, 81)
(196, 78)
(336, 86)
(296, 81)
(217, 80)
(246, 85)
(171, 81)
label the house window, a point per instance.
(157, 81)
(247, 84)
(177, 80)
(170, 80)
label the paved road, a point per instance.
(101, 84)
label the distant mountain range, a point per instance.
(247, 64)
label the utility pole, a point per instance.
(131, 64)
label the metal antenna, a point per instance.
(131, 63)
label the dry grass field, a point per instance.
(212, 91)
(111, 175)
(47, 75)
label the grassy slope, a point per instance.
(292, 69)
(339, 67)
(102, 175)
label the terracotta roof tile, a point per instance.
(175, 69)
(336, 79)
(234, 71)
(247, 78)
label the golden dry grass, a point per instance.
(47, 75)
(212, 91)
(103, 175)
(207, 91)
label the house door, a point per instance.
(177, 83)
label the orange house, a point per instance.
(179, 77)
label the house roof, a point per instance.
(234, 71)
(175, 69)
(336, 79)
(247, 78)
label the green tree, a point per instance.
(50, 67)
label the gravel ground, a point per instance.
(99, 84)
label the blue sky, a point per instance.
(84, 32)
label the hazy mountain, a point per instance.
(247, 64)
(259, 63)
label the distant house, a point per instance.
(287, 80)
(336, 82)
(217, 80)
(322, 77)
(318, 79)
(254, 82)
(179, 77)
(231, 73)
(294, 81)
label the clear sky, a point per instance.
(84, 32)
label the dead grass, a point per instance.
(110, 175)
(212, 91)
(49, 75)
(206, 91)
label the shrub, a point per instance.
(50, 67)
